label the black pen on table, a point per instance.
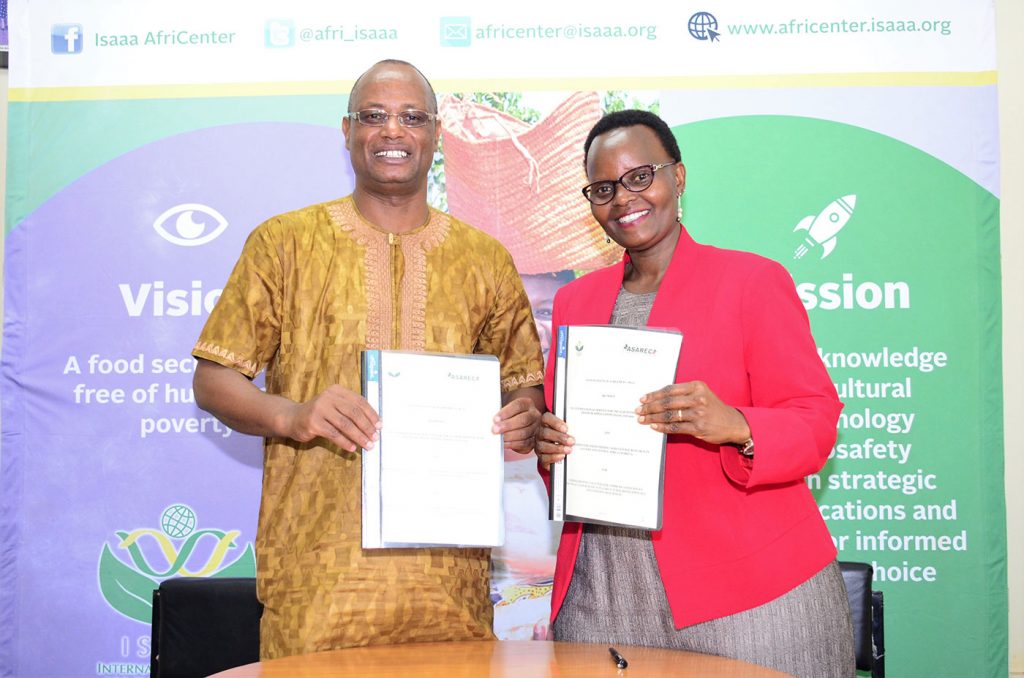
(620, 661)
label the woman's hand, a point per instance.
(691, 408)
(553, 440)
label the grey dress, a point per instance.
(616, 596)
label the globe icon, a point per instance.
(701, 23)
(178, 521)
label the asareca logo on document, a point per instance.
(190, 224)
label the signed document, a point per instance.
(616, 472)
(436, 475)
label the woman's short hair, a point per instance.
(629, 118)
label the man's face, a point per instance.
(391, 160)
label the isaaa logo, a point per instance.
(178, 549)
(181, 226)
(66, 38)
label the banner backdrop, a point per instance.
(857, 146)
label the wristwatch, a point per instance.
(747, 448)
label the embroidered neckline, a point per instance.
(366, 222)
(379, 274)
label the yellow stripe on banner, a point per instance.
(684, 82)
(126, 92)
(738, 82)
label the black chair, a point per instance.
(868, 610)
(202, 626)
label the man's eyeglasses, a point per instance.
(375, 117)
(636, 180)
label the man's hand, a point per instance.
(518, 420)
(337, 414)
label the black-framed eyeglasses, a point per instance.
(636, 180)
(376, 117)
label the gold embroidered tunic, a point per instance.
(311, 289)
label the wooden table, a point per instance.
(497, 659)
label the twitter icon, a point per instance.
(456, 31)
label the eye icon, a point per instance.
(190, 224)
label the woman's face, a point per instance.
(637, 221)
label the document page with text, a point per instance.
(615, 473)
(435, 476)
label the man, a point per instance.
(312, 288)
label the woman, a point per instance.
(744, 566)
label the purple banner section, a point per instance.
(112, 478)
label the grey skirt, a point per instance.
(616, 596)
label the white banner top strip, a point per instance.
(68, 49)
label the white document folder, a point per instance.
(435, 477)
(616, 472)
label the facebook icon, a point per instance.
(66, 39)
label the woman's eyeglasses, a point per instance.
(636, 180)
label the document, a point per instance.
(616, 472)
(436, 475)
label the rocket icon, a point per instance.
(822, 229)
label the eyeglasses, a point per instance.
(635, 180)
(375, 117)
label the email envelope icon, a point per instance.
(455, 31)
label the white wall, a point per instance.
(1009, 19)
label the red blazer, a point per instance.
(736, 533)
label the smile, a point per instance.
(391, 154)
(632, 216)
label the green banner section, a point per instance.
(896, 257)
